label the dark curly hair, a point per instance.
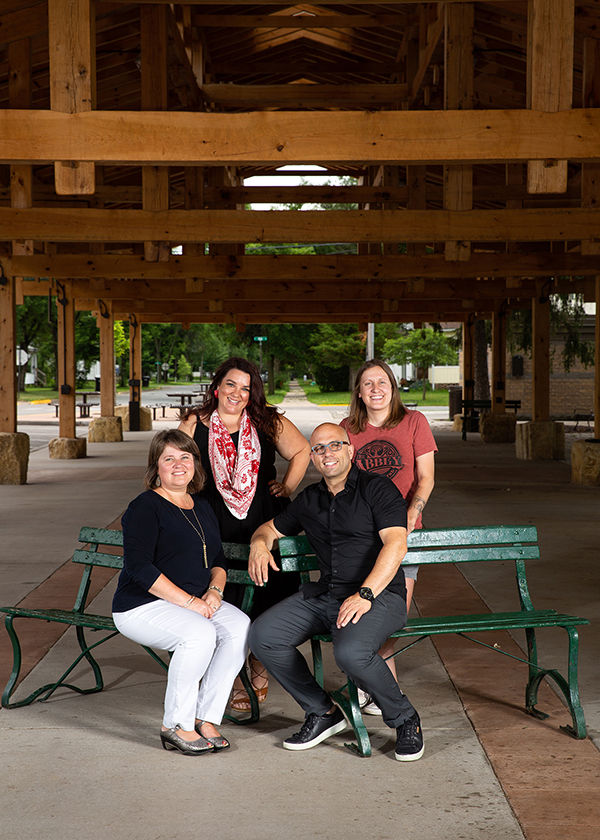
(357, 416)
(264, 417)
(181, 441)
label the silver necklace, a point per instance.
(199, 532)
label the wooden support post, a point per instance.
(541, 350)
(498, 388)
(135, 373)
(468, 347)
(550, 35)
(8, 347)
(458, 179)
(597, 365)
(71, 36)
(65, 306)
(19, 96)
(416, 183)
(154, 67)
(107, 360)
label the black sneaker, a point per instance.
(409, 739)
(315, 729)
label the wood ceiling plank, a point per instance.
(94, 225)
(283, 138)
(329, 268)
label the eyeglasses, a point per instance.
(333, 446)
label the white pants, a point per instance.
(211, 650)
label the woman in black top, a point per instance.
(170, 590)
(239, 435)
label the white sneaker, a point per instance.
(371, 708)
(363, 697)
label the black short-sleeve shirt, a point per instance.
(343, 530)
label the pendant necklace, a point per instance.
(199, 532)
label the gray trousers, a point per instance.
(276, 634)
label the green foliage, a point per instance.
(424, 347)
(184, 368)
(336, 348)
(121, 339)
(87, 345)
(567, 315)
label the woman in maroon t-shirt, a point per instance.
(391, 440)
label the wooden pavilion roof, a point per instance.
(472, 130)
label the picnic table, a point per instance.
(186, 397)
(85, 394)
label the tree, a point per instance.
(567, 314)
(336, 349)
(423, 348)
(184, 368)
(35, 331)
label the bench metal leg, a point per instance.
(45, 691)
(348, 703)
(569, 689)
(347, 699)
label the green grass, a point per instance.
(314, 395)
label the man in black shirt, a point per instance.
(356, 524)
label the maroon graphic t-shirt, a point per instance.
(393, 452)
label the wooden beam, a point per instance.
(394, 137)
(458, 57)
(302, 96)
(98, 225)
(596, 404)
(298, 290)
(468, 358)
(550, 29)
(155, 94)
(65, 375)
(276, 21)
(8, 348)
(332, 267)
(498, 383)
(24, 23)
(19, 96)
(72, 81)
(135, 371)
(540, 330)
(107, 359)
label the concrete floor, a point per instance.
(91, 767)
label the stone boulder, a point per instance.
(122, 411)
(585, 462)
(498, 428)
(106, 430)
(67, 449)
(14, 457)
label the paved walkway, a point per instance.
(92, 766)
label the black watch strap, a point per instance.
(366, 593)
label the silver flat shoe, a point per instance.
(172, 741)
(219, 743)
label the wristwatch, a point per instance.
(366, 593)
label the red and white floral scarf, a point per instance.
(235, 472)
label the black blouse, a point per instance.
(157, 539)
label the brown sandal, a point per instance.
(260, 679)
(239, 699)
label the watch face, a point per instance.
(366, 593)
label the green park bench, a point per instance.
(90, 557)
(462, 545)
